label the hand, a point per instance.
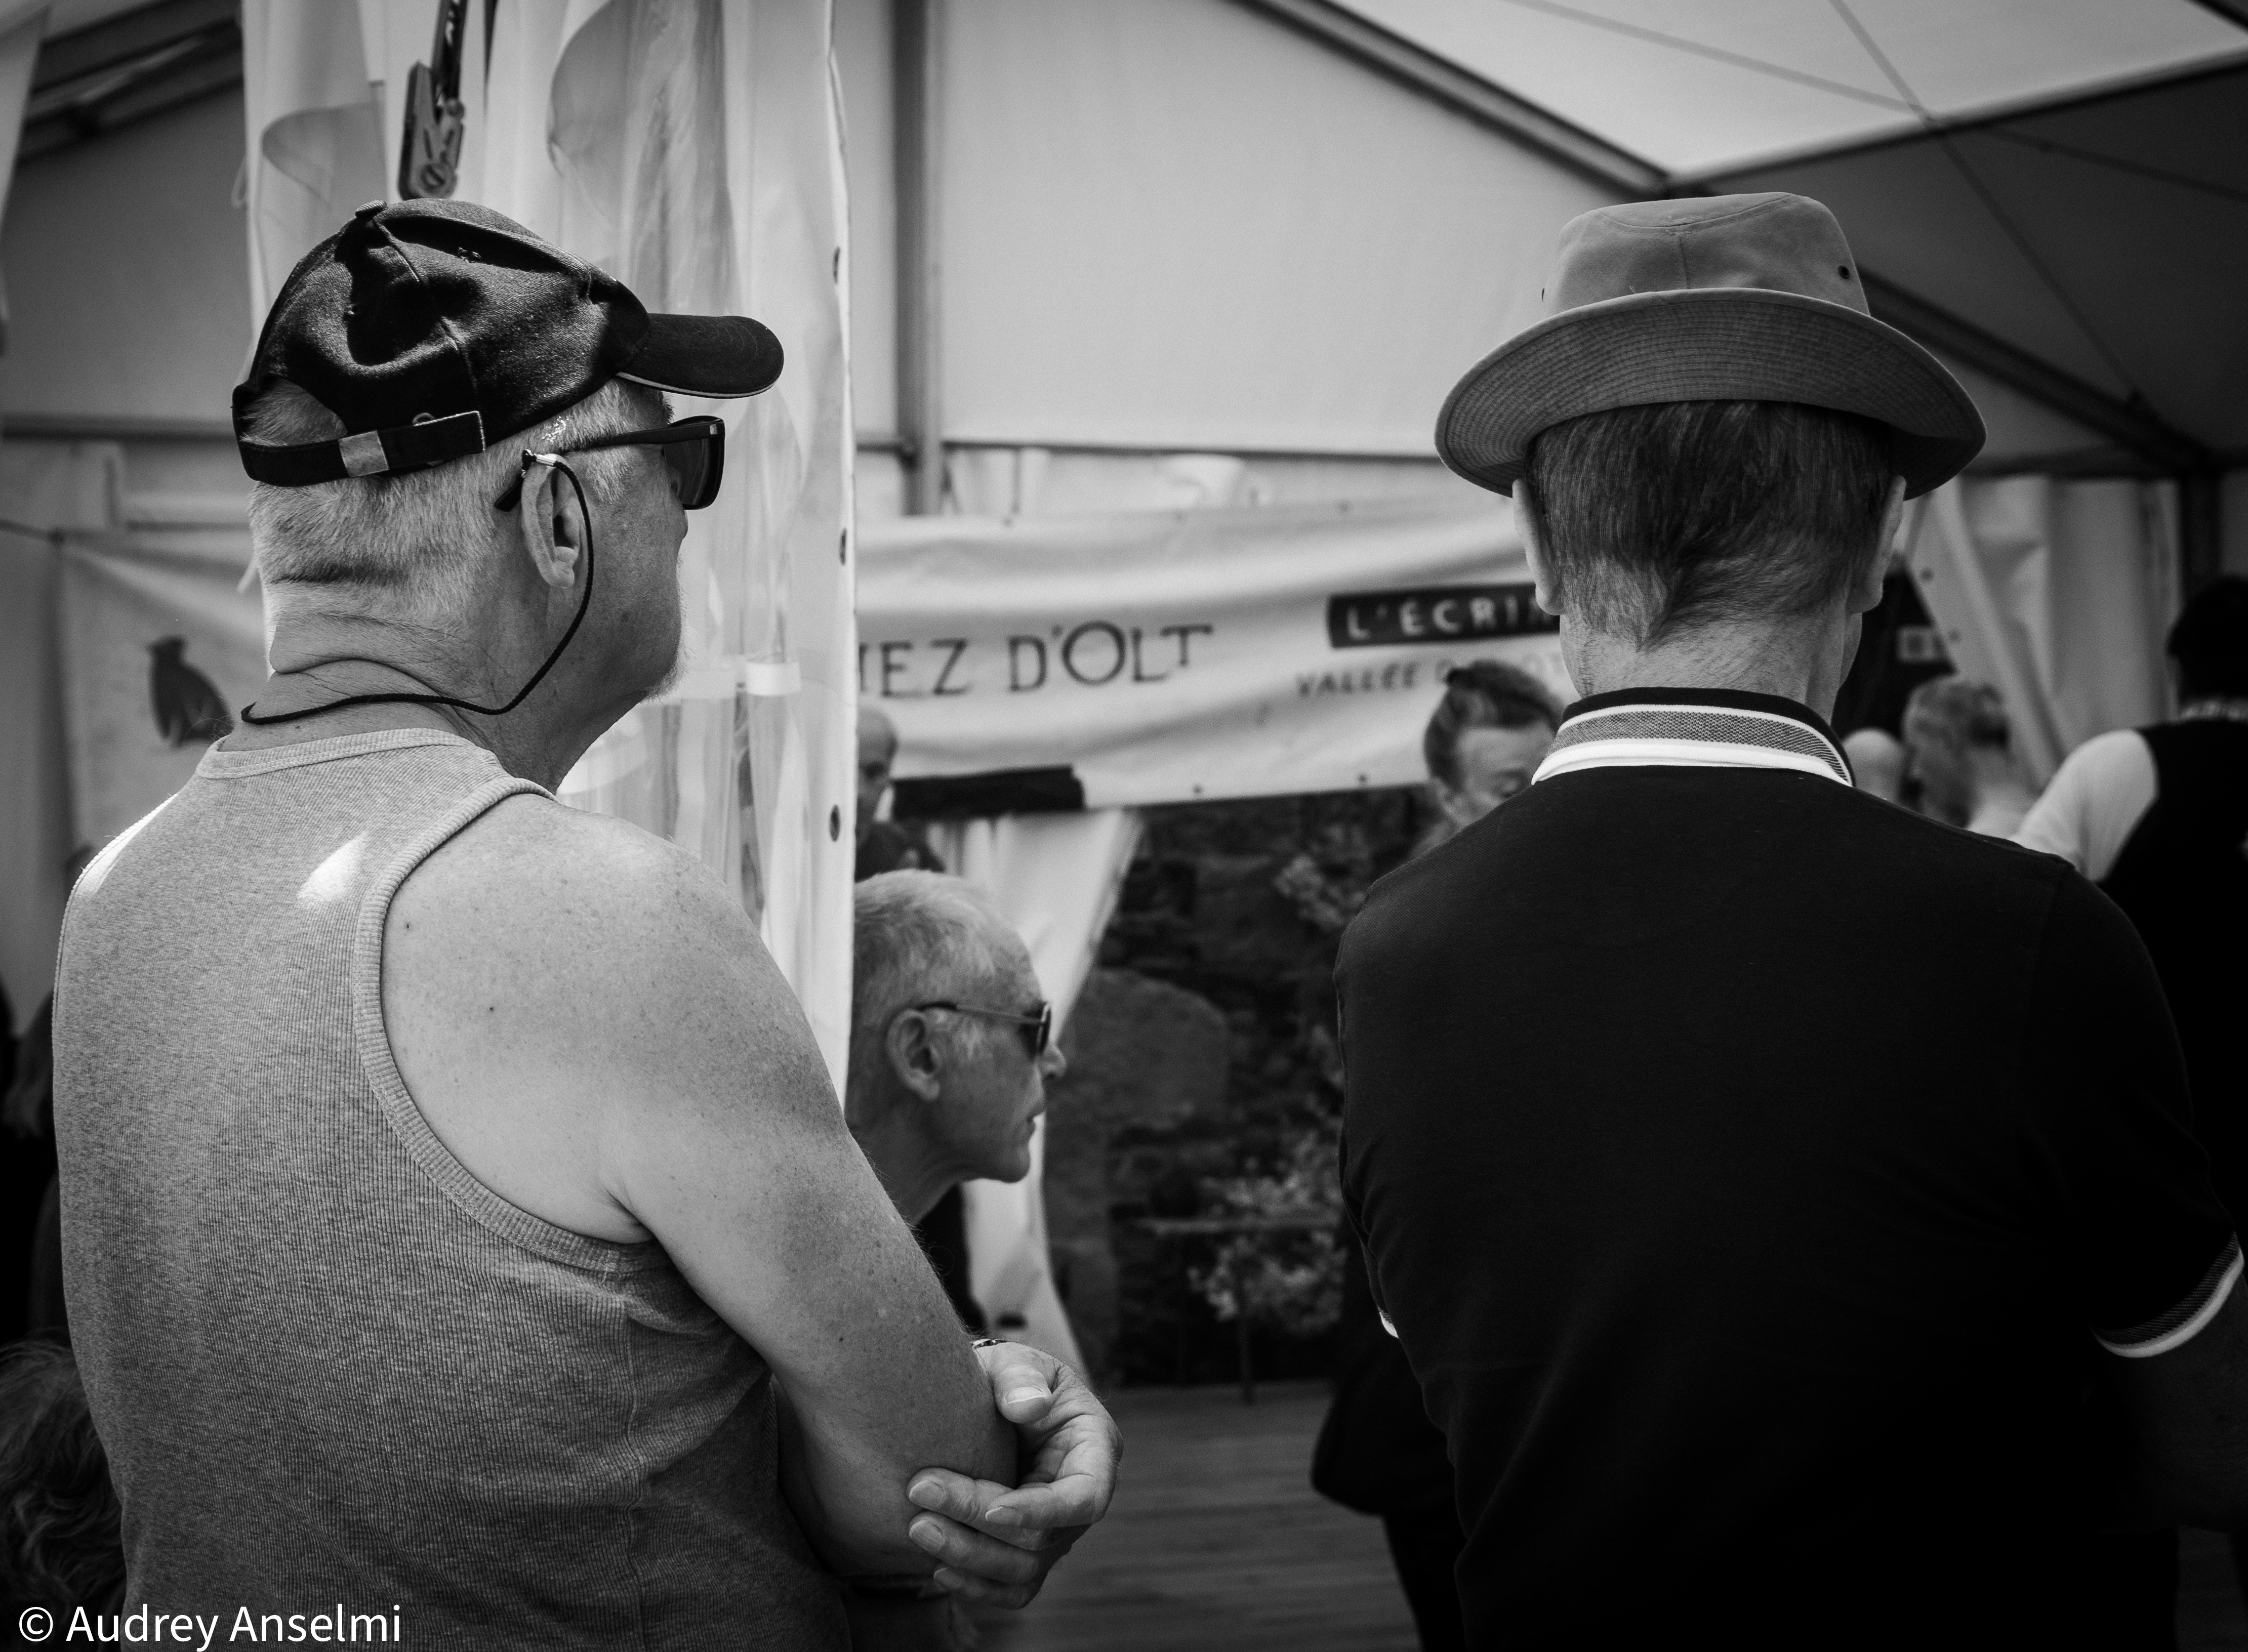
(994, 1545)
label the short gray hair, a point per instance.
(412, 535)
(1661, 518)
(915, 936)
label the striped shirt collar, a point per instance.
(1698, 728)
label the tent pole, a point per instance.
(917, 47)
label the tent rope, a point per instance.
(1991, 202)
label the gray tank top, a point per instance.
(334, 1372)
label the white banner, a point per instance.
(1158, 657)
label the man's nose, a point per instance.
(1054, 1063)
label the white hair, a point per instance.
(915, 936)
(412, 538)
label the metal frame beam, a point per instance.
(916, 53)
(1469, 95)
(127, 68)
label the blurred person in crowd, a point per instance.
(951, 1049)
(951, 1044)
(1483, 743)
(538, 1205)
(60, 1547)
(884, 846)
(1377, 1451)
(1960, 756)
(1736, 1334)
(1877, 762)
(2158, 817)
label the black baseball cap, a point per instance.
(435, 328)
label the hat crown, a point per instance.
(435, 307)
(1780, 242)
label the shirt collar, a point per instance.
(1699, 728)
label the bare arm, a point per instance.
(593, 1026)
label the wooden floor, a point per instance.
(1217, 1544)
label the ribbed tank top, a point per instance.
(334, 1371)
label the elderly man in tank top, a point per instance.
(460, 1222)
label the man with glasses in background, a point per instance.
(460, 1226)
(951, 1045)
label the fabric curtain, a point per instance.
(31, 878)
(1057, 878)
(2057, 593)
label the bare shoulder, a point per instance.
(554, 983)
(592, 910)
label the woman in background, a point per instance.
(1483, 744)
(1378, 1453)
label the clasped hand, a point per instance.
(995, 1544)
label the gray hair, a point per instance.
(413, 536)
(915, 936)
(1662, 518)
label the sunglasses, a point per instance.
(1036, 1030)
(694, 450)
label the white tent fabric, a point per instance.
(21, 26)
(1174, 224)
(730, 202)
(2058, 594)
(1162, 657)
(1055, 877)
(1700, 86)
(25, 575)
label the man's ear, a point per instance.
(1866, 592)
(1547, 587)
(916, 1061)
(553, 533)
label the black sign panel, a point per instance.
(1437, 613)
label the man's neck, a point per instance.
(1803, 660)
(318, 662)
(913, 1175)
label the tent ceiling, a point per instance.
(1700, 86)
(2052, 192)
(2105, 239)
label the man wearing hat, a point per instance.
(1840, 1156)
(461, 1231)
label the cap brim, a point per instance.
(1707, 344)
(706, 356)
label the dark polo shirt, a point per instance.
(1748, 1167)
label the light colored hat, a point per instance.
(1740, 298)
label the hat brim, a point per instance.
(717, 356)
(1707, 344)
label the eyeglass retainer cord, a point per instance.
(553, 460)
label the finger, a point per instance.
(1022, 1379)
(972, 1503)
(1072, 1501)
(1014, 1596)
(972, 1552)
